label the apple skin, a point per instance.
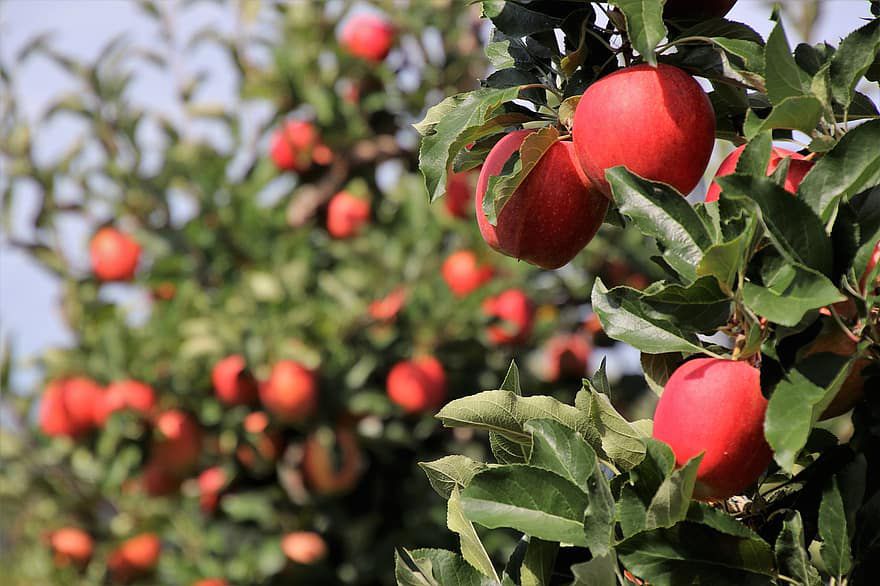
(179, 443)
(516, 312)
(797, 169)
(291, 393)
(136, 557)
(211, 482)
(304, 547)
(114, 254)
(156, 480)
(418, 385)
(459, 194)
(70, 407)
(387, 308)
(127, 394)
(211, 582)
(833, 340)
(715, 406)
(566, 355)
(553, 213)
(697, 9)
(292, 146)
(658, 123)
(233, 383)
(347, 215)
(263, 447)
(463, 274)
(322, 473)
(368, 36)
(72, 546)
(872, 263)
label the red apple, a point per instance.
(233, 382)
(417, 385)
(263, 447)
(211, 482)
(291, 393)
(292, 146)
(657, 122)
(697, 9)
(833, 340)
(715, 406)
(179, 442)
(553, 213)
(156, 480)
(70, 407)
(872, 263)
(347, 215)
(332, 468)
(115, 255)
(72, 546)
(126, 394)
(797, 169)
(463, 274)
(515, 313)
(566, 355)
(304, 547)
(388, 307)
(367, 36)
(459, 194)
(135, 558)
(211, 582)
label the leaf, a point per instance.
(720, 521)
(794, 113)
(537, 502)
(620, 441)
(663, 214)
(794, 291)
(630, 511)
(672, 500)
(472, 548)
(791, 553)
(689, 553)
(558, 449)
(836, 554)
(851, 167)
(657, 368)
(756, 156)
(538, 563)
(450, 472)
(511, 380)
(855, 55)
(599, 515)
(507, 451)
(726, 260)
(644, 25)
(599, 571)
(784, 78)
(750, 52)
(517, 19)
(433, 567)
(700, 306)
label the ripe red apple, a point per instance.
(263, 447)
(291, 393)
(463, 274)
(347, 215)
(211, 482)
(872, 263)
(179, 445)
(459, 194)
(367, 36)
(417, 385)
(304, 547)
(553, 213)
(715, 406)
(135, 558)
(126, 394)
(115, 255)
(69, 406)
(566, 355)
(658, 122)
(292, 146)
(697, 9)
(797, 169)
(332, 469)
(72, 546)
(233, 382)
(388, 307)
(157, 480)
(211, 582)
(833, 340)
(515, 313)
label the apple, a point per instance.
(70, 407)
(126, 394)
(72, 546)
(553, 213)
(304, 547)
(179, 443)
(334, 468)
(872, 264)
(347, 215)
(388, 307)
(797, 169)
(291, 393)
(566, 355)
(463, 274)
(833, 340)
(115, 255)
(657, 122)
(211, 582)
(156, 480)
(292, 146)
(368, 36)
(135, 558)
(233, 382)
(515, 313)
(417, 385)
(263, 446)
(211, 482)
(716, 407)
(695, 9)
(459, 194)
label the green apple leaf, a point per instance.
(599, 516)
(794, 113)
(836, 552)
(644, 25)
(672, 499)
(790, 293)
(784, 78)
(855, 55)
(433, 567)
(562, 450)
(791, 552)
(450, 472)
(472, 549)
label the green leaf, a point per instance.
(657, 368)
(537, 566)
(663, 214)
(672, 500)
(726, 260)
(644, 25)
(599, 571)
(851, 167)
(750, 52)
(433, 567)
(600, 512)
(836, 553)
(791, 553)
(794, 113)
(855, 55)
(450, 472)
(793, 291)
(756, 156)
(784, 78)
(624, 445)
(507, 451)
(498, 54)
(472, 548)
(511, 380)
(720, 521)
(537, 502)
(558, 449)
(689, 553)
(630, 511)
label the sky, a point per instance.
(29, 314)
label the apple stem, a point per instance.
(846, 330)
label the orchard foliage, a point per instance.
(763, 323)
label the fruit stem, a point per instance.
(846, 330)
